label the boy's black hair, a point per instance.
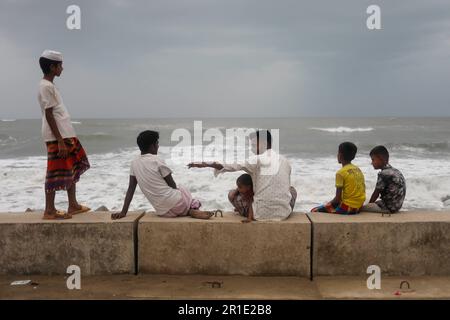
(147, 138)
(348, 150)
(245, 180)
(380, 151)
(46, 63)
(268, 137)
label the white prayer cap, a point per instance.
(52, 55)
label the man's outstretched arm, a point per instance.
(214, 165)
(129, 196)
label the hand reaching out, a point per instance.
(197, 165)
(203, 164)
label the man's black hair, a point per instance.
(348, 150)
(380, 151)
(245, 180)
(147, 138)
(268, 137)
(46, 63)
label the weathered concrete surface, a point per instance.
(92, 241)
(345, 287)
(187, 287)
(409, 243)
(162, 287)
(224, 246)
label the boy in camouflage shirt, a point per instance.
(391, 186)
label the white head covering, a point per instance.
(52, 55)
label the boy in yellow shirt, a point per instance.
(350, 185)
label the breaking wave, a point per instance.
(343, 129)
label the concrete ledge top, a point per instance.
(231, 217)
(89, 217)
(369, 217)
(228, 217)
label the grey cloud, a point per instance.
(205, 58)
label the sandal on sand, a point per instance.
(58, 215)
(82, 210)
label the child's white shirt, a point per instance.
(150, 171)
(49, 97)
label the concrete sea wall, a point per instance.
(313, 244)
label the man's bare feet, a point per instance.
(199, 214)
(118, 215)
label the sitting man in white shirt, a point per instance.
(274, 198)
(155, 180)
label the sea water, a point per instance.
(420, 148)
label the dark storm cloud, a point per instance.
(205, 58)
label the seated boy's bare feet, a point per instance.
(118, 215)
(198, 214)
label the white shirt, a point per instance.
(49, 97)
(150, 171)
(271, 175)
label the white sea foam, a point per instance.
(6, 140)
(343, 129)
(410, 149)
(21, 182)
(76, 122)
(8, 120)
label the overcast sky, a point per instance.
(230, 58)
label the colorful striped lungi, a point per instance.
(62, 173)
